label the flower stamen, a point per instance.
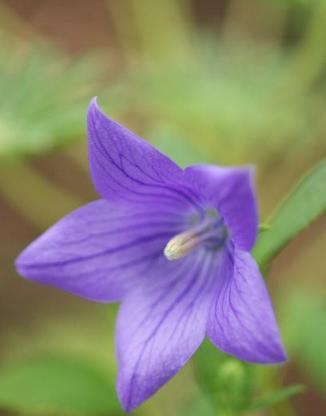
(211, 232)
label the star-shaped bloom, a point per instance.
(173, 246)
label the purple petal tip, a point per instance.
(93, 107)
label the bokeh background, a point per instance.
(218, 81)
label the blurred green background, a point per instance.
(218, 81)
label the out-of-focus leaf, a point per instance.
(231, 99)
(199, 406)
(207, 98)
(222, 98)
(299, 3)
(232, 385)
(227, 381)
(43, 95)
(172, 142)
(57, 384)
(27, 201)
(277, 397)
(303, 317)
(305, 203)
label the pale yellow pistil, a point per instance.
(180, 245)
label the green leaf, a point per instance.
(57, 384)
(303, 317)
(277, 397)
(304, 204)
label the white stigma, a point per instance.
(180, 245)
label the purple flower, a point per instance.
(173, 246)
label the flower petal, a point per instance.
(161, 325)
(242, 321)
(99, 250)
(126, 168)
(231, 191)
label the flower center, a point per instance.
(209, 232)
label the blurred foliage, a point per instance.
(277, 397)
(300, 207)
(227, 381)
(303, 312)
(233, 99)
(294, 3)
(11, 174)
(43, 94)
(236, 387)
(57, 384)
(208, 98)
